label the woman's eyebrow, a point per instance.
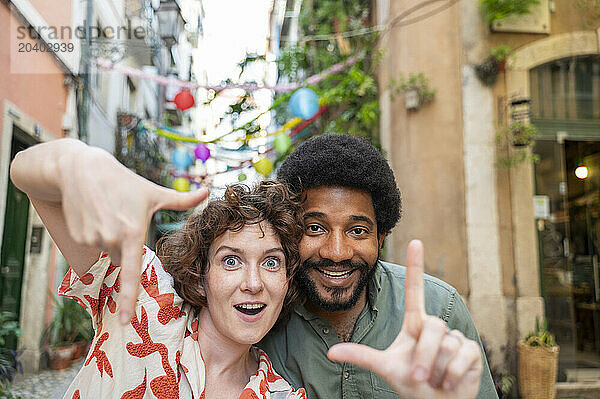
(228, 248)
(276, 249)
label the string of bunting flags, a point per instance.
(303, 105)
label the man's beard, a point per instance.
(335, 302)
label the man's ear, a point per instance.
(381, 240)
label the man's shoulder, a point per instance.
(397, 273)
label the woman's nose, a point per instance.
(252, 280)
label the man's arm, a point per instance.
(89, 202)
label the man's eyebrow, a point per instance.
(360, 218)
(315, 214)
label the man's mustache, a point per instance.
(329, 264)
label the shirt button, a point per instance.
(346, 374)
(326, 330)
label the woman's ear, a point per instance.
(201, 288)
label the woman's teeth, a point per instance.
(250, 308)
(340, 275)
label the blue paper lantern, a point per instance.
(304, 103)
(181, 158)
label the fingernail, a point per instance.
(447, 385)
(420, 374)
(125, 317)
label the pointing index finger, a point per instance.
(414, 292)
(131, 259)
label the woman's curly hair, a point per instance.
(184, 253)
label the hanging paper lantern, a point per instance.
(181, 184)
(264, 166)
(202, 152)
(184, 100)
(181, 158)
(282, 142)
(242, 177)
(304, 103)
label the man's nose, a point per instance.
(336, 248)
(252, 280)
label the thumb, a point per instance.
(171, 199)
(360, 355)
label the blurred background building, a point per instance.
(518, 239)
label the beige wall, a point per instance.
(426, 147)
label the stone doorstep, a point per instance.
(578, 390)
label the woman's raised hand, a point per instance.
(89, 202)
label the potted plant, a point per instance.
(416, 90)
(9, 362)
(488, 70)
(60, 337)
(538, 363)
(518, 139)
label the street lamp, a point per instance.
(170, 21)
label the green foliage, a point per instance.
(9, 363)
(541, 336)
(495, 10)
(415, 81)
(504, 382)
(520, 136)
(591, 10)
(500, 53)
(71, 323)
(351, 95)
(9, 327)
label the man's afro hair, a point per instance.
(346, 161)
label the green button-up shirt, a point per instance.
(298, 350)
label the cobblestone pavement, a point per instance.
(47, 384)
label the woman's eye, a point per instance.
(313, 228)
(230, 261)
(272, 263)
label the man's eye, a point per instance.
(231, 261)
(272, 263)
(359, 230)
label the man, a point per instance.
(351, 204)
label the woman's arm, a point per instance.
(89, 202)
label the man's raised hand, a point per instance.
(425, 360)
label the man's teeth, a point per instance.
(332, 274)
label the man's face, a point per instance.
(340, 246)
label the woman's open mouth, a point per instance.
(250, 309)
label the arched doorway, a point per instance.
(565, 101)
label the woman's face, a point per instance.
(246, 282)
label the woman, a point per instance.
(221, 287)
